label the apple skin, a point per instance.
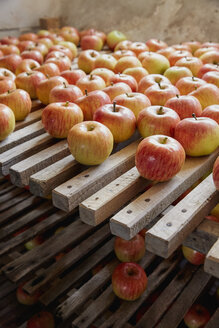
(114, 37)
(207, 68)
(86, 60)
(198, 136)
(71, 46)
(65, 92)
(130, 80)
(212, 77)
(72, 76)
(193, 63)
(7, 121)
(210, 57)
(10, 62)
(91, 83)
(117, 89)
(159, 93)
(90, 142)
(6, 84)
(119, 119)
(33, 54)
(126, 62)
(207, 95)
(211, 112)
(42, 319)
(193, 256)
(62, 61)
(6, 74)
(105, 73)
(137, 72)
(216, 173)
(157, 120)
(175, 73)
(29, 81)
(91, 42)
(185, 106)
(129, 281)
(123, 53)
(8, 49)
(28, 36)
(48, 69)
(151, 79)
(159, 158)
(66, 51)
(178, 54)
(155, 63)
(197, 316)
(166, 51)
(201, 51)
(27, 65)
(129, 250)
(193, 45)
(9, 40)
(44, 88)
(58, 118)
(123, 45)
(33, 242)
(105, 61)
(155, 44)
(25, 298)
(188, 84)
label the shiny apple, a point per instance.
(48, 69)
(175, 73)
(33, 54)
(212, 112)
(185, 106)
(27, 65)
(44, 87)
(65, 92)
(91, 42)
(207, 95)
(103, 72)
(91, 83)
(6, 84)
(117, 89)
(155, 63)
(130, 80)
(10, 62)
(129, 250)
(114, 37)
(156, 44)
(188, 84)
(207, 68)
(7, 121)
(19, 101)
(72, 75)
(137, 72)
(151, 79)
(86, 60)
(126, 62)
(192, 63)
(105, 61)
(197, 316)
(29, 81)
(176, 55)
(212, 77)
(25, 298)
(159, 93)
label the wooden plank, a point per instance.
(30, 119)
(20, 152)
(36, 104)
(144, 209)
(18, 137)
(21, 172)
(11, 194)
(68, 195)
(213, 322)
(178, 310)
(5, 187)
(170, 231)
(14, 201)
(211, 264)
(106, 201)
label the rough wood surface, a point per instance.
(211, 264)
(30, 119)
(14, 201)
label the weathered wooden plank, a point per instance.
(144, 209)
(30, 119)
(170, 231)
(5, 187)
(13, 201)
(21, 172)
(68, 195)
(211, 264)
(10, 195)
(213, 323)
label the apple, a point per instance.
(212, 77)
(6, 84)
(166, 51)
(58, 118)
(126, 62)
(44, 87)
(66, 51)
(117, 89)
(157, 120)
(8, 49)
(48, 42)
(119, 119)
(7, 121)
(72, 75)
(91, 42)
(123, 45)
(211, 44)
(6, 74)
(62, 61)
(216, 173)
(159, 158)
(92, 31)
(25, 298)
(91, 83)
(151, 79)
(33, 54)
(181, 47)
(156, 44)
(9, 40)
(159, 93)
(129, 281)
(176, 55)
(207, 95)
(71, 46)
(65, 92)
(70, 35)
(90, 142)
(28, 36)
(123, 53)
(103, 72)
(129, 250)
(55, 54)
(193, 45)
(188, 84)
(155, 63)
(193, 63)
(105, 61)
(210, 57)
(128, 79)
(134, 101)
(38, 240)
(138, 47)
(201, 51)
(185, 106)
(114, 37)
(27, 65)
(215, 211)
(207, 68)
(199, 136)
(175, 73)
(48, 69)
(91, 101)
(86, 60)
(23, 45)
(197, 316)
(42, 319)
(193, 256)
(42, 48)
(137, 72)
(212, 112)
(10, 62)
(29, 81)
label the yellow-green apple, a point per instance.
(159, 93)
(156, 44)
(70, 35)
(65, 92)
(7, 121)
(128, 79)
(151, 79)
(10, 62)
(166, 51)
(185, 106)
(137, 72)
(193, 256)
(155, 63)
(19, 101)
(123, 45)
(73, 75)
(71, 46)
(207, 95)
(175, 73)
(216, 173)
(211, 111)
(114, 37)
(9, 40)
(62, 61)
(199, 136)
(91, 83)
(193, 45)
(38, 240)
(123, 53)
(197, 316)
(66, 51)
(187, 84)
(6, 74)
(126, 62)
(86, 60)
(28, 36)
(23, 45)
(119, 119)
(138, 47)
(210, 57)
(48, 69)
(193, 63)
(157, 120)
(207, 68)
(159, 158)
(91, 42)
(42, 319)
(33, 54)
(129, 281)
(44, 87)
(6, 84)
(129, 250)
(117, 89)
(134, 101)
(215, 211)
(90, 142)
(29, 81)
(58, 118)
(27, 65)
(91, 101)
(8, 49)
(103, 72)
(24, 298)
(212, 77)
(176, 55)
(105, 61)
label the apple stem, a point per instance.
(177, 96)
(114, 106)
(111, 83)
(193, 78)
(193, 115)
(159, 85)
(91, 77)
(160, 111)
(164, 140)
(67, 103)
(47, 75)
(64, 84)
(86, 94)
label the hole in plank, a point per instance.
(69, 187)
(86, 175)
(117, 184)
(184, 210)
(129, 211)
(169, 224)
(10, 268)
(147, 200)
(96, 198)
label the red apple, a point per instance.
(25, 298)
(175, 73)
(123, 53)
(207, 95)
(193, 63)
(193, 45)
(156, 44)
(28, 36)
(123, 45)
(197, 316)
(58, 118)
(9, 40)
(126, 62)
(7, 121)
(212, 77)
(138, 47)
(211, 44)
(119, 119)
(65, 92)
(72, 75)
(181, 47)
(103, 72)
(151, 79)
(29, 81)
(23, 45)
(32, 54)
(193, 256)
(166, 51)
(216, 173)
(90, 142)
(117, 89)
(188, 84)
(130, 80)
(66, 51)
(42, 319)
(210, 57)
(62, 61)
(201, 51)
(129, 281)
(160, 93)
(42, 48)
(27, 65)
(178, 54)
(86, 60)
(114, 37)
(199, 136)
(48, 69)
(44, 88)
(71, 46)
(159, 158)
(207, 68)
(19, 101)
(10, 62)
(212, 112)
(91, 42)
(137, 72)
(105, 61)
(92, 31)
(129, 250)
(8, 49)
(6, 84)
(157, 120)
(6, 74)
(91, 83)
(185, 106)
(155, 63)
(70, 35)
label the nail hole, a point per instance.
(69, 187)
(117, 184)
(129, 211)
(147, 200)
(184, 210)
(86, 175)
(96, 198)
(169, 224)
(10, 268)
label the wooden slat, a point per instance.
(144, 209)
(36, 104)
(213, 323)
(170, 231)
(30, 119)
(106, 201)
(68, 195)
(22, 135)
(14, 201)
(21, 172)
(11, 194)
(20, 152)
(211, 264)
(5, 187)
